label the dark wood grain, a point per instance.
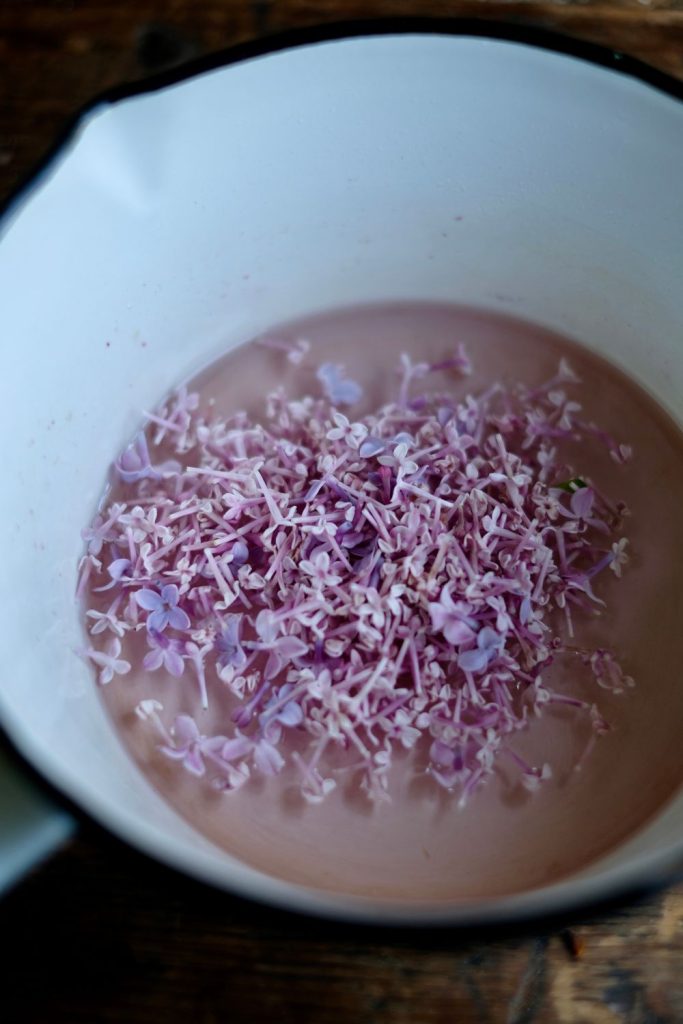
(101, 934)
(55, 55)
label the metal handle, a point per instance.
(31, 826)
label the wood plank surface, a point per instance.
(55, 55)
(101, 934)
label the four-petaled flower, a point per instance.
(318, 568)
(352, 433)
(280, 710)
(282, 650)
(402, 727)
(399, 459)
(619, 556)
(581, 509)
(187, 745)
(109, 661)
(144, 524)
(339, 388)
(164, 651)
(372, 607)
(183, 404)
(488, 647)
(460, 362)
(608, 672)
(163, 608)
(267, 758)
(372, 446)
(107, 620)
(230, 652)
(452, 618)
(96, 534)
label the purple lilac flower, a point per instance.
(116, 570)
(164, 652)
(187, 745)
(281, 710)
(133, 464)
(339, 388)
(453, 619)
(163, 608)
(283, 650)
(488, 647)
(372, 446)
(230, 653)
(408, 576)
(267, 758)
(318, 568)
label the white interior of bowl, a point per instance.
(185, 221)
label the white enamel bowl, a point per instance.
(193, 216)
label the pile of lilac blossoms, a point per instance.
(398, 582)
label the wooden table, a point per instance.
(100, 934)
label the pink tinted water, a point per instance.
(421, 846)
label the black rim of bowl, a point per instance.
(538, 38)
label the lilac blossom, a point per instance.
(148, 711)
(164, 652)
(133, 464)
(619, 556)
(353, 434)
(284, 649)
(362, 585)
(295, 351)
(372, 446)
(175, 418)
(582, 510)
(94, 535)
(460, 362)
(109, 661)
(281, 710)
(317, 567)
(339, 388)
(266, 757)
(452, 618)
(607, 671)
(488, 646)
(116, 570)
(196, 656)
(107, 620)
(143, 523)
(230, 653)
(187, 745)
(97, 532)
(163, 608)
